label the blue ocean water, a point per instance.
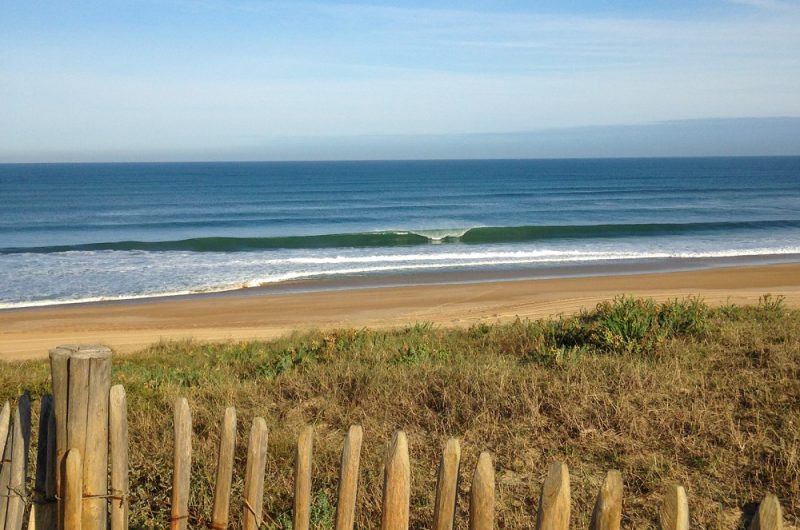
(81, 232)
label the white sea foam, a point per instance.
(441, 234)
(93, 276)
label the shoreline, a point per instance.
(265, 313)
(338, 282)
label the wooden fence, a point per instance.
(81, 477)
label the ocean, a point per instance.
(89, 232)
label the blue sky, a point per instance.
(197, 80)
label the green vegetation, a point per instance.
(672, 392)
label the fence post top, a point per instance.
(81, 351)
(398, 437)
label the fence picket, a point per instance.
(72, 475)
(5, 421)
(18, 467)
(254, 475)
(181, 467)
(444, 507)
(302, 480)
(6, 440)
(348, 478)
(607, 513)
(481, 501)
(396, 484)
(222, 487)
(769, 515)
(41, 510)
(554, 503)
(59, 373)
(95, 457)
(118, 442)
(77, 403)
(674, 513)
(50, 489)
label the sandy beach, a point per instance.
(128, 326)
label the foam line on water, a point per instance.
(247, 276)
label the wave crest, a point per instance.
(397, 238)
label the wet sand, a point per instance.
(128, 326)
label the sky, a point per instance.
(251, 80)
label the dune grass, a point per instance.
(673, 392)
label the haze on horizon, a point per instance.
(250, 80)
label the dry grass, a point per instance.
(709, 398)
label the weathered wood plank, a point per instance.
(5, 460)
(182, 465)
(118, 442)
(302, 480)
(607, 514)
(43, 512)
(348, 478)
(254, 475)
(50, 512)
(674, 512)
(769, 515)
(5, 422)
(554, 502)
(95, 455)
(396, 484)
(20, 443)
(444, 508)
(481, 500)
(222, 487)
(59, 372)
(72, 475)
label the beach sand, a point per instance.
(264, 314)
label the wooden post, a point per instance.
(348, 479)
(59, 371)
(78, 404)
(674, 513)
(18, 467)
(222, 488)
(95, 459)
(181, 467)
(41, 511)
(396, 484)
(72, 475)
(481, 501)
(607, 513)
(302, 480)
(444, 508)
(51, 511)
(769, 515)
(5, 458)
(554, 503)
(254, 475)
(5, 421)
(118, 441)
(5, 480)
(81, 383)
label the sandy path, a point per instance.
(29, 333)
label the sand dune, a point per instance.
(127, 326)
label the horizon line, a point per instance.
(357, 160)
